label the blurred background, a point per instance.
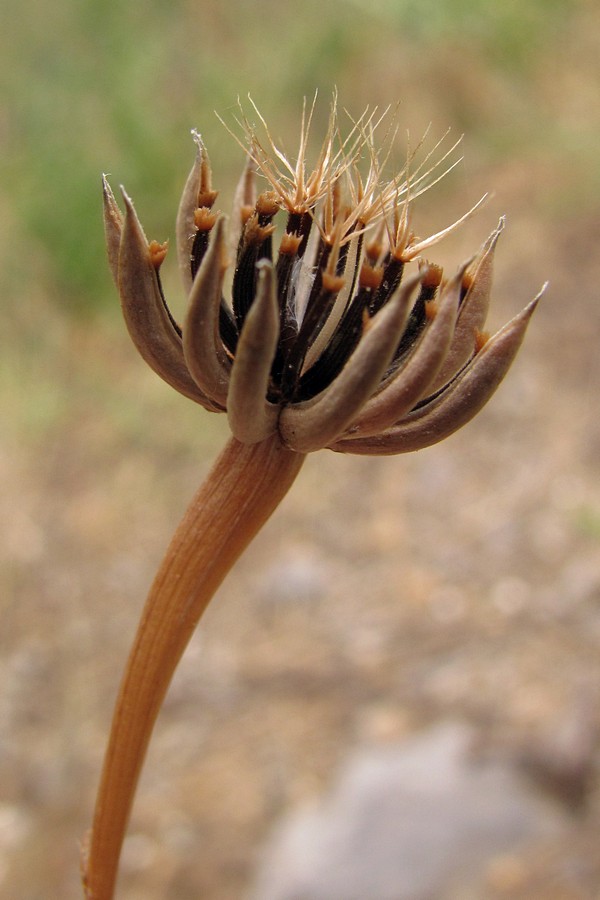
(461, 583)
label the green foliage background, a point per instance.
(90, 87)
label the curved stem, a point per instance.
(244, 487)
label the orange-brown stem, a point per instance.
(244, 487)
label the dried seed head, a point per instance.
(329, 340)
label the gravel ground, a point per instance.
(385, 595)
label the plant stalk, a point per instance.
(244, 487)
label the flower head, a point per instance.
(343, 336)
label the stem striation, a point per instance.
(244, 487)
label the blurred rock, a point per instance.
(565, 760)
(420, 819)
(299, 577)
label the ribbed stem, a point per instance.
(244, 487)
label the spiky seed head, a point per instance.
(329, 340)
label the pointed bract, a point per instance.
(244, 198)
(113, 228)
(202, 346)
(457, 404)
(472, 314)
(147, 318)
(184, 224)
(252, 417)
